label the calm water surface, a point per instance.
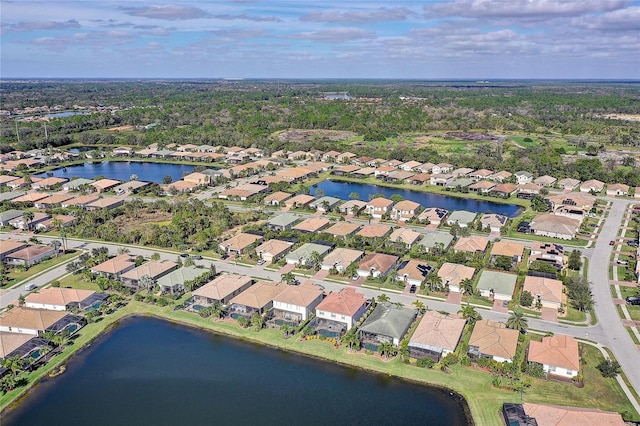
(152, 372)
(343, 189)
(122, 170)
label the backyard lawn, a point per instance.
(16, 274)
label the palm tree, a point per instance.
(55, 244)
(14, 364)
(216, 310)
(386, 349)
(315, 260)
(286, 329)
(435, 281)
(257, 322)
(146, 282)
(355, 210)
(27, 217)
(517, 320)
(470, 314)
(420, 306)
(123, 250)
(383, 298)
(288, 278)
(351, 340)
(466, 285)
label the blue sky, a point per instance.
(321, 39)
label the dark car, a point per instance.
(413, 289)
(183, 255)
(633, 300)
(197, 257)
(611, 242)
(224, 256)
(632, 243)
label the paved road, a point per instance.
(609, 331)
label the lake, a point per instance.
(122, 170)
(343, 189)
(152, 372)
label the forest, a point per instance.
(384, 116)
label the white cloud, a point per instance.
(358, 16)
(335, 35)
(169, 12)
(618, 20)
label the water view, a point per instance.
(152, 372)
(343, 189)
(122, 170)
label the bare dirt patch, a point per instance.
(624, 117)
(298, 135)
(120, 128)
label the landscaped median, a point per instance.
(484, 401)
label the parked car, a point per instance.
(30, 287)
(413, 289)
(197, 257)
(632, 243)
(184, 255)
(224, 256)
(611, 242)
(622, 262)
(633, 300)
(355, 278)
(261, 262)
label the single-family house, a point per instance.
(239, 244)
(30, 255)
(547, 252)
(387, 323)
(568, 184)
(325, 204)
(37, 321)
(442, 168)
(340, 311)
(342, 229)
(546, 291)
(173, 282)
(504, 190)
(438, 241)
(617, 189)
(107, 203)
(378, 207)
(197, 178)
(155, 269)
(48, 183)
(420, 179)
(345, 157)
(52, 201)
(104, 184)
(341, 258)
(7, 216)
(244, 191)
(397, 176)
(296, 303)
(493, 340)
(24, 346)
(130, 187)
(277, 198)
(463, 218)
(352, 207)
(453, 274)
(410, 165)
(462, 172)
(472, 244)
(441, 179)
(122, 151)
(496, 285)
(433, 215)
(412, 272)
(374, 231)
(10, 246)
(553, 415)
(299, 201)
(20, 223)
(480, 174)
(558, 354)
(545, 180)
(483, 186)
(256, 300)
(115, 266)
(272, 250)
(523, 177)
(376, 265)
(312, 224)
(493, 221)
(405, 210)
(221, 289)
(555, 226)
(575, 205)
(593, 185)
(330, 156)
(58, 298)
(405, 236)
(436, 336)
(510, 249)
(526, 191)
(345, 170)
(81, 201)
(303, 255)
(283, 222)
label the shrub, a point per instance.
(55, 283)
(526, 299)
(425, 362)
(535, 370)
(609, 368)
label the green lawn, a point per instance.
(16, 275)
(633, 336)
(634, 312)
(575, 315)
(76, 281)
(484, 401)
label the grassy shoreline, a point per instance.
(483, 402)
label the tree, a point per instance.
(396, 198)
(21, 300)
(13, 364)
(383, 298)
(609, 368)
(167, 180)
(420, 306)
(288, 278)
(123, 250)
(517, 320)
(355, 210)
(466, 285)
(189, 262)
(257, 322)
(286, 330)
(386, 349)
(4, 274)
(354, 196)
(27, 217)
(155, 256)
(575, 260)
(351, 340)
(55, 244)
(580, 293)
(435, 281)
(526, 298)
(503, 262)
(315, 260)
(539, 204)
(147, 282)
(469, 313)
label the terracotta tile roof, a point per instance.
(378, 261)
(10, 245)
(406, 205)
(312, 224)
(559, 350)
(222, 286)
(31, 252)
(9, 342)
(495, 339)
(551, 415)
(106, 202)
(81, 200)
(58, 296)
(274, 247)
(154, 269)
(260, 294)
(277, 196)
(103, 184)
(55, 199)
(507, 248)
(380, 203)
(405, 235)
(549, 289)
(471, 244)
(300, 199)
(115, 265)
(410, 269)
(299, 295)
(342, 257)
(31, 197)
(346, 302)
(31, 319)
(240, 241)
(342, 229)
(373, 231)
(439, 331)
(454, 273)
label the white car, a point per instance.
(30, 287)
